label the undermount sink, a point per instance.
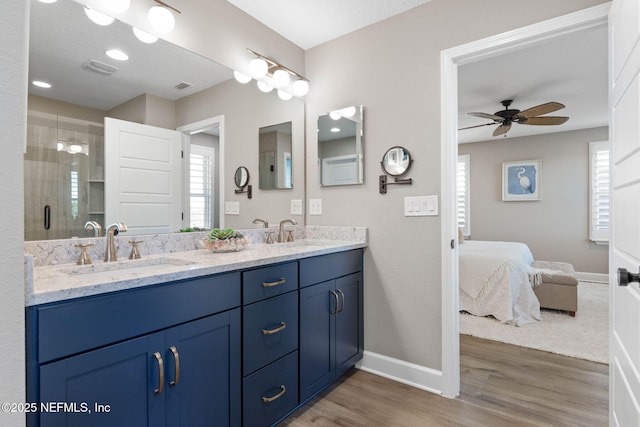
(126, 266)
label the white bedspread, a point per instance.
(494, 280)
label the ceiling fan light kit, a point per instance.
(505, 118)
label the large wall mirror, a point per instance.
(275, 160)
(64, 160)
(340, 146)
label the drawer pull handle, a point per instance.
(342, 298)
(283, 390)
(274, 331)
(335, 295)
(272, 284)
(160, 373)
(176, 358)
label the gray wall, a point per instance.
(393, 69)
(14, 33)
(555, 227)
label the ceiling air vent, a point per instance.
(182, 85)
(99, 67)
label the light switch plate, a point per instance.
(315, 206)
(232, 208)
(296, 207)
(421, 206)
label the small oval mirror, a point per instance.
(241, 177)
(396, 161)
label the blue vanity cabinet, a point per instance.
(331, 319)
(270, 343)
(165, 355)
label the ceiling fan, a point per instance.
(530, 116)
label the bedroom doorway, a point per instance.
(451, 59)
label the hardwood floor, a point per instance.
(501, 385)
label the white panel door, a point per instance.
(624, 250)
(143, 177)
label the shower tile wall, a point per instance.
(71, 184)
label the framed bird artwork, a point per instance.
(521, 180)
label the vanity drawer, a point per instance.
(269, 330)
(326, 267)
(278, 385)
(83, 324)
(269, 281)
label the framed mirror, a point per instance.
(274, 163)
(340, 146)
(396, 161)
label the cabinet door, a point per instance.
(121, 378)
(349, 322)
(317, 324)
(203, 372)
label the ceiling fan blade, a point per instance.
(544, 121)
(493, 117)
(539, 110)
(502, 129)
(477, 126)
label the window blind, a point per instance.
(200, 190)
(462, 194)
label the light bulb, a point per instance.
(143, 36)
(258, 68)
(98, 17)
(265, 87)
(348, 112)
(40, 83)
(335, 115)
(75, 148)
(118, 6)
(161, 19)
(241, 78)
(300, 87)
(285, 96)
(281, 78)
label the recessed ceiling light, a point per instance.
(48, 1)
(117, 54)
(41, 84)
(335, 130)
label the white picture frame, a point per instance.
(521, 180)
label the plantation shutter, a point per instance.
(462, 194)
(599, 191)
(200, 188)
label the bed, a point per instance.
(496, 279)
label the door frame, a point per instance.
(197, 127)
(450, 59)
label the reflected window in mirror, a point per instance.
(274, 165)
(201, 173)
(340, 147)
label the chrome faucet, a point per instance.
(93, 226)
(281, 237)
(112, 231)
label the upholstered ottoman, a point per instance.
(559, 287)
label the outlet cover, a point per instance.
(296, 207)
(315, 206)
(232, 208)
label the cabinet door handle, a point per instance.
(283, 390)
(342, 298)
(282, 281)
(176, 359)
(335, 295)
(160, 373)
(274, 331)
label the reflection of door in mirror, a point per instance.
(63, 176)
(340, 153)
(274, 161)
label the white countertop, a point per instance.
(67, 281)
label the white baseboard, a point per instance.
(592, 277)
(404, 372)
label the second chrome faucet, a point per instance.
(281, 237)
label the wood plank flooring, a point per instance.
(501, 385)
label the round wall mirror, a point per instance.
(241, 177)
(396, 161)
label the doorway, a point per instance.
(451, 59)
